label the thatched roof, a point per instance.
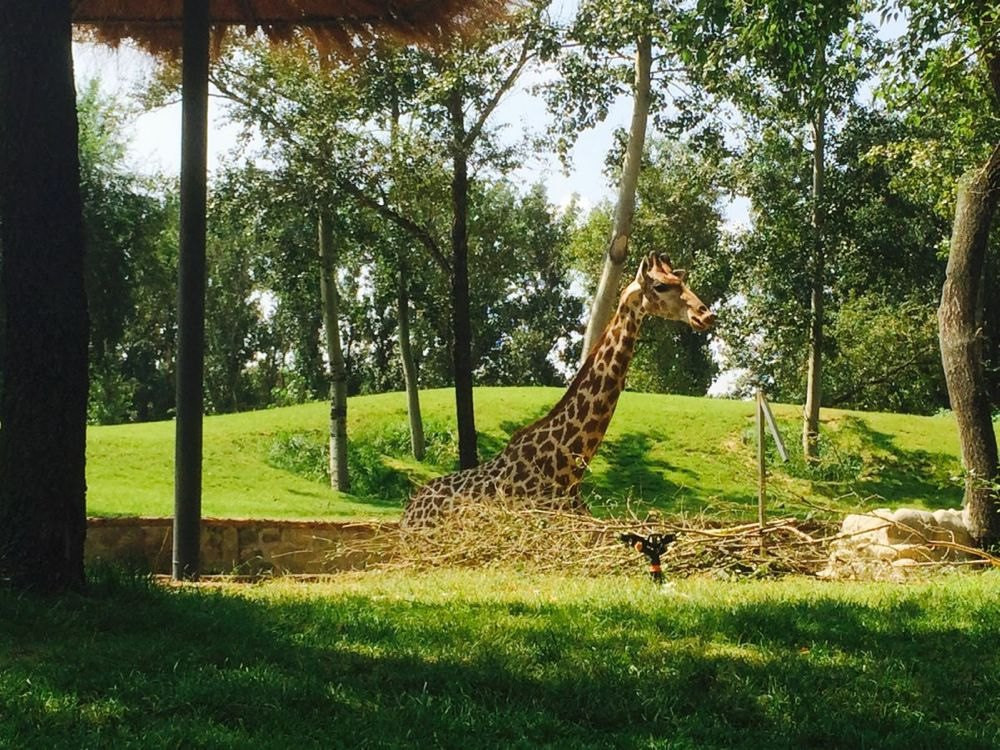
(155, 25)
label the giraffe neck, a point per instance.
(601, 378)
(563, 442)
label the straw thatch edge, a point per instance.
(347, 29)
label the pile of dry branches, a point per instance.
(503, 534)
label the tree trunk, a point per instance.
(409, 368)
(814, 363)
(606, 295)
(961, 346)
(43, 406)
(460, 313)
(417, 444)
(339, 479)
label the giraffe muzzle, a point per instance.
(702, 321)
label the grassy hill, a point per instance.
(675, 453)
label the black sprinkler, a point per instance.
(651, 546)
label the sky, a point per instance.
(155, 144)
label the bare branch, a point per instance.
(476, 130)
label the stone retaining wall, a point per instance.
(233, 546)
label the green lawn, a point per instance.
(503, 660)
(670, 452)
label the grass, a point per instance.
(467, 659)
(669, 452)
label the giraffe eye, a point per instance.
(661, 287)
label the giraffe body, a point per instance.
(544, 463)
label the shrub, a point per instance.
(372, 476)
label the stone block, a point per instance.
(898, 539)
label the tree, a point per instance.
(521, 302)
(602, 37)
(953, 47)
(43, 407)
(474, 76)
(881, 238)
(323, 114)
(861, 376)
(235, 329)
(961, 344)
(339, 479)
(791, 63)
(130, 271)
(679, 213)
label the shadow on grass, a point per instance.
(134, 665)
(635, 470)
(909, 473)
(871, 463)
(631, 469)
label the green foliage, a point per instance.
(374, 458)
(883, 245)
(256, 259)
(130, 271)
(779, 61)
(302, 453)
(597, 66)
(861, 376)
(835, 464)
(504, 659)
(521, 300)
(939, 82)
(943, 82)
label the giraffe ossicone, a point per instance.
(544, 462)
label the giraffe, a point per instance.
(544, 462)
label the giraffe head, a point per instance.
(666, 295)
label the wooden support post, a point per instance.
(761, 466)
(765, 417)
(191, 292)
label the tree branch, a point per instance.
(421, 234)
(476, 130)
(887, 376)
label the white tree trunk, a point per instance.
(606, 296)
(339, 479)
(814, 362)
(417, 444)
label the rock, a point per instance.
(883, 541)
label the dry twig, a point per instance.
(510, 534)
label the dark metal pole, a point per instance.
(191, 291)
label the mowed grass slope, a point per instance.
(502, 660)
(675, 453)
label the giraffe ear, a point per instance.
(680, 273)
(640, 275)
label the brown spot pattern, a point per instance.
(544, 462)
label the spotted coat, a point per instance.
(544, 463)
